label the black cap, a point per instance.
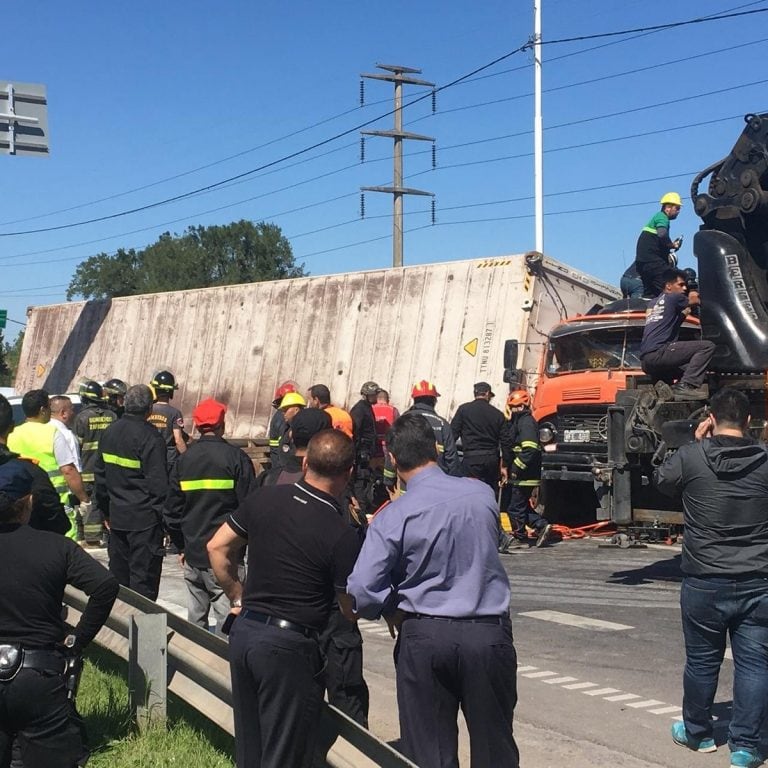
(483, 388)
(307, 423)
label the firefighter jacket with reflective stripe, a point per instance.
(207, 483)
(89, 427)
(447, 456)
(278, 429)
(520, 449)
(131, 474)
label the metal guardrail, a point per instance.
(166, 653)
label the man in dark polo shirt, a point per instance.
(300, 554)
(662, 355)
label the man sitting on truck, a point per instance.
(662, 355)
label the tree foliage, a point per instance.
(241, 252)
(9, 359)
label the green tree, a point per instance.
(9, 359)
(241, 252)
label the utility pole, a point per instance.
(399, 76)
(538, 130)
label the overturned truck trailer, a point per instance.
(444, 322)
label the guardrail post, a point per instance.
(148, 668)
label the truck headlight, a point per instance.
(547, 432)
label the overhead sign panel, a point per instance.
(23, 119)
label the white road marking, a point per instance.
(645, 703)
(560, 680)
(622, 697)
(665, 710)
(579, 686)
(729, 654)
(572, 620)
(537, 675)
(520, 670)
(601, 691)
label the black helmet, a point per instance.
(90, 391)
(370, 388)
(164, 382)
(115, 388)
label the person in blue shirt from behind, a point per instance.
(430, 566)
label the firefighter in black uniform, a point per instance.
(278, 426)
(521, 468)
(478, 424)
(425, 394)
(300, 553)
(89, 426)
(115, 390)
(207, 483)
(167, 419)
(131, 487)
(364, 429)
(37, 661)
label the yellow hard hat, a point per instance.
(292, 399)
(671, 198)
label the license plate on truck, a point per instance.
(576, 435)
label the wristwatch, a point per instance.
(236, 603)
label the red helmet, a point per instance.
(284, 389)
(424, 388)
(517, 398)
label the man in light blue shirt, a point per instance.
(430, 566)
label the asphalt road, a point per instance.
(600, 657)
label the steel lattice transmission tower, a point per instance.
(399, 76)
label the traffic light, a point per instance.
(3, 317)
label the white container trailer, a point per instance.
(445, 322)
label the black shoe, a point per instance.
(543, 536)
(682, 391)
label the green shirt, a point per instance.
(659, 219)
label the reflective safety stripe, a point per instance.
(274, 443)
(650, 229)
(121, 461)
(519, 463)
(88, 477)
(90, 446)
(527, 483)
(390, 473)
(530, 444)
(207, 485)
(440, 448)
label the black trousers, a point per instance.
(34, 708)
(442, 665)
(277, 693)
(683, 360)
(483, 467)
(516, 500)
(136, 559)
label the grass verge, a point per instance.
(189, 740)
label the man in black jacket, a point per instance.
(131, 486)
(37, 565)
(208, 482)
(364, 427)
(478, 425)
(723, 481)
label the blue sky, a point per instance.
(143, 92)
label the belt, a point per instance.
(273, 621)
(44, 660)
(467, 619)
(481, 452)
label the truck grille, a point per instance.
(585, 393)
(595, 423)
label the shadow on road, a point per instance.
(661, 570)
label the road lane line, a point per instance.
(729, 654)
(520, 670)
(665, 710)
(560, 680)
(622, 697)
(602, 692)
(572, 620)
(645, 703)
(538, 675)
(579, 686)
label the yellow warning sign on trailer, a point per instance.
(471, 347)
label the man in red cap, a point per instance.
(207, 484)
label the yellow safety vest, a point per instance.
(35, 440)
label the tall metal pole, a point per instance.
(538, 130)
(398, 75)
(397, 180)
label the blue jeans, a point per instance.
(712, 608)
